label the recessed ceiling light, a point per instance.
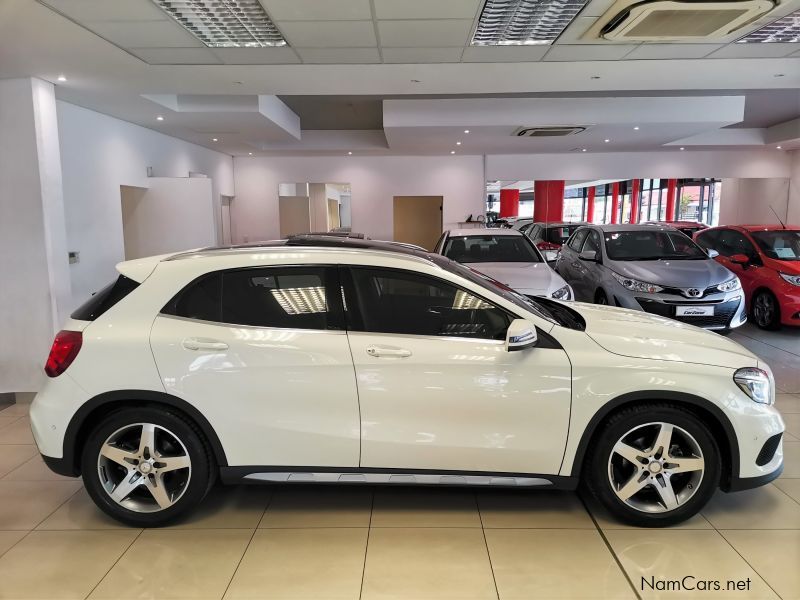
(214, 140)
(636, 128)
(228, 24)
(452, 151)
(606, 140)
(349, 153)
(249, 154)
(62, 78)
(583, 149)
(159, 118)
(466, 131)
(458, 143)
(785, 29)
(778, 148)
(682, 148)
(524, 22)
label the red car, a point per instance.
(687, 227)
(767, 260)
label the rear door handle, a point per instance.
(204, 344)
(388, 352)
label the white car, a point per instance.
(354, 361)
(507, 256)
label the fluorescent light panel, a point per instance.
(785, 29)
(524, 22)
(225, 23)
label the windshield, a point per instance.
(559, 234)
(780, 244)
(651, 245)
(491, 248)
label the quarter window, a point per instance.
(394, 301)
(577, 240)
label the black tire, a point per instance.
(192, 488)
(766, 310)
(600, 297)
(597, 468)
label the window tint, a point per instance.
(491, 248)
(708, 240)
(732, 242)
(101, 301)
(393, 301)
(592, 243)
(577, 239)
(560, 234)
(201, 299)
(781, 244)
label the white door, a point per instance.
(263, 355)
(436, 387)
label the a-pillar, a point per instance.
(615, 202)
(590, 208)
(548, 201)
(34, 266)
(672, 187)
(509, 203)
(635, 200)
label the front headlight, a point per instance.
(561, 293)
(793, 279)
(635, 285)
(755, 383)
(731, 285)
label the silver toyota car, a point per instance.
(656, 269)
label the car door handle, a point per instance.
(204, 344)
(383, 351)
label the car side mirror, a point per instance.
(588, 255)
(712, 253)
(550, 255)
(740, 259)
(521, 334)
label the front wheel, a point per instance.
(146, 467)
(653, 465)
(766, 311)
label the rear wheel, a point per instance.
(146, 466)
(654, 465)
(600, 297)
(766, 310)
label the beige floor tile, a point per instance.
(792, 422)
(6, 421)
(9, 538)
(176, 564)
(518, 509)
(424, 507)
(60, 564)
(761, 508)
(229, 507)
(775, 555)
(79, 512)
(654, 557)
(302, 563)
(35, 470)
(18, 432)
(791, 459)
(316, 506)
(554, 563)
(16, 410)
(789, 486)
(427, 563)
(786, 403)
(24, 504)
(14, 455)
(606, 521)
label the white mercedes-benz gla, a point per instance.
(320, 359)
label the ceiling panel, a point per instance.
(504, 53)
(431, 34)
(176, 56)
(257, 56)
(774, 50)
(596, 8)
(421, 55)
(583, 52)
(339, 55)
(315, 10)
(667, 51)
(329, 34)
(145, 34)
(107, 10)
(572, 34)
(427, 9)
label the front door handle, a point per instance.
(388, 352)
(204, 344)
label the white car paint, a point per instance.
(291, 398)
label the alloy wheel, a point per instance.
(144, 467)
(764, 309)
(656, 467)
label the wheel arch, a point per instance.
(711, 415)
(101, 405)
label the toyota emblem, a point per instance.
(693, 292)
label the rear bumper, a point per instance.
(61, 466)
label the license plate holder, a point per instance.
(695, 311)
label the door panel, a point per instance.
(418, 220)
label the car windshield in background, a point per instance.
(559, 235)
(491, 248)
(651, 245)
(780, 244)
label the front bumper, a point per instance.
(727, 310)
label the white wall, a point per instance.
(752, 201)
(374, 182)
(99, 154)
(793, 213)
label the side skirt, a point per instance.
(375, 476)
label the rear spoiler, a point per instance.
(141, 268)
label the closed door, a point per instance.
(437, 388)
(294, 215)
(418, 220)
(263, 355)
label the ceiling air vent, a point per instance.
(676, 20)
(547, 131)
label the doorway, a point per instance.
(226, 237)
(418, 220)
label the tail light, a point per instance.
(547, 246)
(64, 350)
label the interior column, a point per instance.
(615, 202)
(548, 201)
(635, 201)
(590, 208)
(672, 187)
(509, 203)
(33, 247)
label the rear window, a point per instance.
(101, 301)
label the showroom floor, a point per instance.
(311, 542)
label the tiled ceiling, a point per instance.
(381, 31)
